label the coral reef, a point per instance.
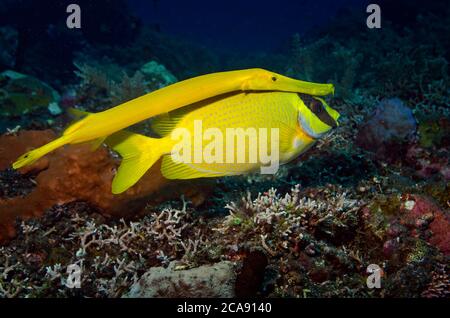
(428, 163)
(77, 173)
(422, 214)
(304, 243)
(112, 256)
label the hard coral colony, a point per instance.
(374, 189)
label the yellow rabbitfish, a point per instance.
(292, 123)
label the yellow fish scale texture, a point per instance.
(248, 112)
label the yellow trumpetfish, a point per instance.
(96, 127)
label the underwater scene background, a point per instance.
(372, 194)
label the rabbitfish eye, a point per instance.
(316, 107)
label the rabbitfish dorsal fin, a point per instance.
(164, 124)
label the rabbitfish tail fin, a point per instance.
(138, 153)
(33, 155)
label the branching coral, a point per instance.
(295, 224)
(286, 215)
(111, 255)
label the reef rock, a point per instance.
(12, 146)
(213, 281)
(9, 40)
(21, 94)
(428, 163)
(420, 212)
(251, 275)
(387, 129)
(404, 220)
(76, 173)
